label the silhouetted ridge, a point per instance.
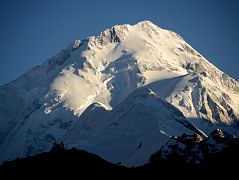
(75, 163)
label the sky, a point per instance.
(31, 31)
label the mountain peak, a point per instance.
(119, 33)
(146, 23)
(162, 76)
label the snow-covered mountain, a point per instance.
(130, 132)
(118, 94)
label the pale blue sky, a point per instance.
(33, 30)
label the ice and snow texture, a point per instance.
(76, 94)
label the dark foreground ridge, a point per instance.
(59, 163)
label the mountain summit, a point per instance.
(121, 94)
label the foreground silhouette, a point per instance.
(60, 162)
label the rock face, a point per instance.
(88, 83)
(193, 149)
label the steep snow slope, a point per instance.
(39, 107)
(131, 132)
(206, 103)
